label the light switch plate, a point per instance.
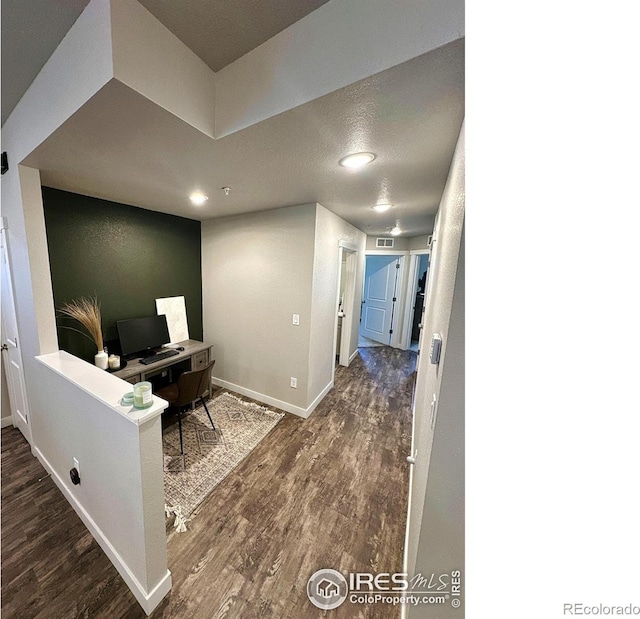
(296, 319)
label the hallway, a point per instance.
(326, 492)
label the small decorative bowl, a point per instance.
(127, 399)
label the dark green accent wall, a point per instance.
(126, 256)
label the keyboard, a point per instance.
(159, 357)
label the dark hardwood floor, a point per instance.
(328, 491)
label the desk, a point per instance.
(196, 353)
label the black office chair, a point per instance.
(191, 386)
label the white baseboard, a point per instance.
(353, 356)
(6, 422)
(317, 401)
(147, 599)
(265, 399)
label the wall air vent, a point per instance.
(384, 242)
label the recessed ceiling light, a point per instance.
(357, 160)
(198, 198)
(381, 208)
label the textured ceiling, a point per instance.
(122, 147)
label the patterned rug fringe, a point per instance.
(210, 454)
(180, 522)
(247, 404)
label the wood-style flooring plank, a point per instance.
(328, 491)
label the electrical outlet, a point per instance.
(76, 465)
(294, 382)
(296, 319)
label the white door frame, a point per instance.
(409, 302)
(397, 323)
(8, 305)
(351, 252)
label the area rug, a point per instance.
(209, 455)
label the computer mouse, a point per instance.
(180, 348)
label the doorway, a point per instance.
(345, 304)
(418, 295)
(379, 300)
(11, 354)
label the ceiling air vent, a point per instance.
(384, 242)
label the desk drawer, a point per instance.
(200, 360)
(134, 379)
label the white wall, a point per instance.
(336, 45)
(438, 308)
(400, 243)
(330, 230)
(154, 62)
(80, 66)
(120, 497)
(418, 242)
(441, 548)
(78, 69)
(257, 271)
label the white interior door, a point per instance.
(380, 280)
(11, 355)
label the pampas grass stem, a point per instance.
(87, 313)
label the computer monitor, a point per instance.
(139, 335)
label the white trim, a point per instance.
(6, 422)
(411, 290)
(156, 595)
(405, 554)
(100, 385)
(348, 307)
(317, 401)
(395, 340)
(9, 295)
(148, 600)
(412, 287)
(265, 399)
(336, 319)
(348, 245)
(399, 311)
(353, 356)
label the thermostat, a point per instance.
(436, 347)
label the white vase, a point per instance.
(102, 360)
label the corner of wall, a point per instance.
(330, 231)
(151, 60)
